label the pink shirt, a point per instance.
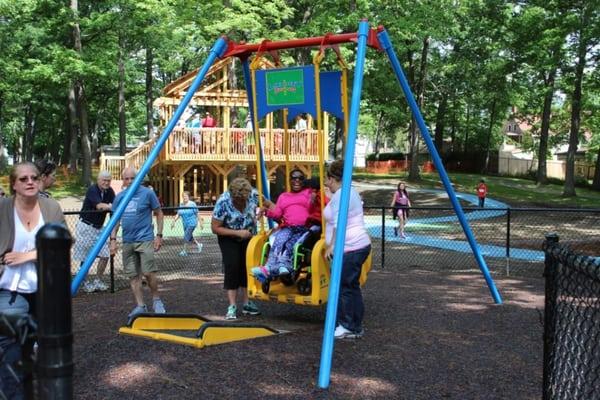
(292, 207)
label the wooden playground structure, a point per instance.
(202, 160)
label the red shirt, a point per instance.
(481, 190)
(209, 122)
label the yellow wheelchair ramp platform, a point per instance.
(196, 331)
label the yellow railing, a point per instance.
(237, 144)
(220, 144)
(112, 164)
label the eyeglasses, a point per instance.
(296, 178)
(33, 178)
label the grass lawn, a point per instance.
(514, 191)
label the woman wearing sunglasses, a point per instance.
(21, 216)
(291, 212)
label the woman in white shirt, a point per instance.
(357, 247)
(21, 216)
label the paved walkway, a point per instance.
(493, 208)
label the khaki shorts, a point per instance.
(138, 258)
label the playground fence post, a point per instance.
(382, 237)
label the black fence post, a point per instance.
(549, 314)
(54, 364)
(508, 241)
(382, 237)
(112, 273)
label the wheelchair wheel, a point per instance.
(287, 279)
(304, 286)
(266, 286)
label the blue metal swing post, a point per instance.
(216, 51)
(385, 42)
(340, 233)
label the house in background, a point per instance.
(514, 160)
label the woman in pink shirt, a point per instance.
(291, 212)
(357, 247)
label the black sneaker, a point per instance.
(250, 309)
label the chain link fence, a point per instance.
(571, 324)
(509, 240)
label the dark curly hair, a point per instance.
(336, 170)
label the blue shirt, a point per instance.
(189, 216)
(231, 217)
(137, 217)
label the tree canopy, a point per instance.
(79, 74)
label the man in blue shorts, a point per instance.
(139, 242)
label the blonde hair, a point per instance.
(240, 188)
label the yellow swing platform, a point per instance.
(193, 330)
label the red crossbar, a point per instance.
(243, 50)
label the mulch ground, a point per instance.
(429, 335)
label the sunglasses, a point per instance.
(296, 178)
(33, 178)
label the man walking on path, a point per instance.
(482, 192)
(97, 203)
(139, 242)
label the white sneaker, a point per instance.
(199, 245)
(100, 286)
(89, 287)
(343, 333)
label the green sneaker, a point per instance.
(250, 309)
(231, 313)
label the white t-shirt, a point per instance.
(356, 234)
(301, 125)
(22, 277)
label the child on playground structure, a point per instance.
(401, 204)
(189, 217)
(291, 211)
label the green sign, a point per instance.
(285, 87)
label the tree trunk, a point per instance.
(338, 136)
(596, 181)
(378, 132)
(569, 188)
(3, 160)
(81, 105)
(453, 129)
(86, 175)
(29, 133)
(439, 124)
(64, 159)
(73, 131)
(467, 127)
(488, 143)
(149, 93)
(121, 90)
(541, 176)
(413, 174)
